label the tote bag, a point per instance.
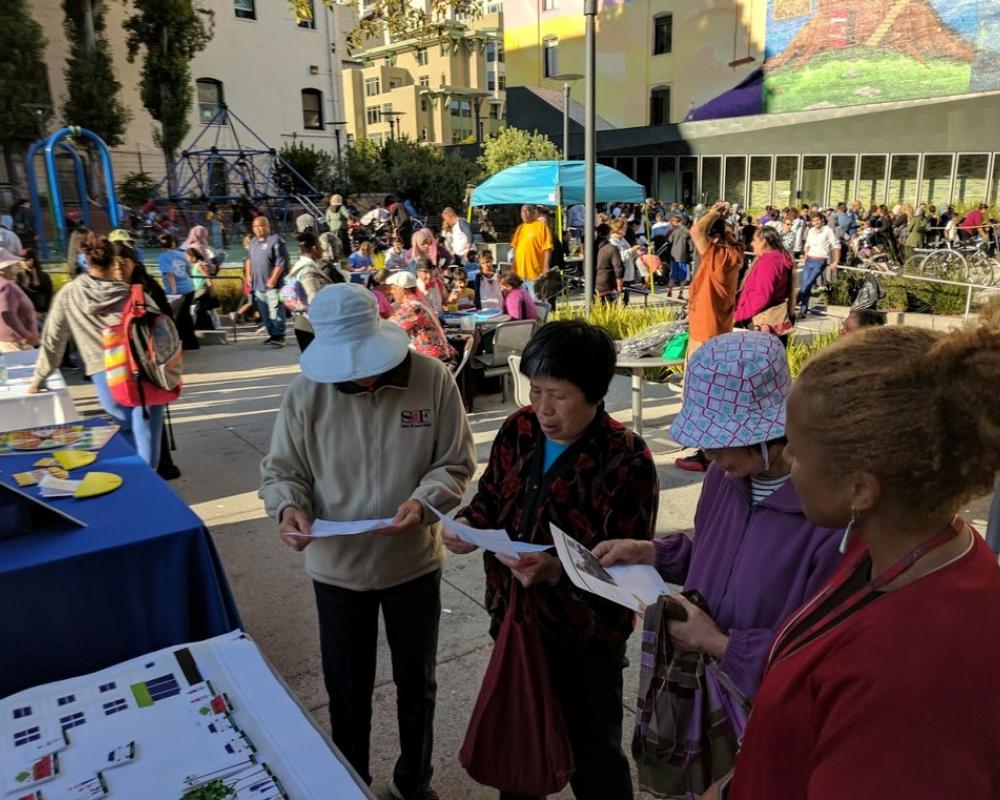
(517, 739)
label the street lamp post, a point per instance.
(393, 121)
(589, 153)
(568, 79)
(336, 135)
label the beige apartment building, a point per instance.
(443, 87)
(279, 74)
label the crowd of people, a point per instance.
(830, 584)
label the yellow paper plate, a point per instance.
(97, 483)
(74, 459)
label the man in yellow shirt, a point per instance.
(532, 243)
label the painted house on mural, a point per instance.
(774, 101)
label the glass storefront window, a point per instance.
(711, 179)
(666, 184)
(688, 175)
(871, 181)
(786, 173)
(970, 178)
(902, 180)
(760, 183)
(626, 166)
(735, 189)
(841, 179)
(995, 180)
(935, 185)
(813, 179)
(644, 173)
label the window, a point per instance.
(390, 60)
(970, 179)
(491, 80)
(25, 736)
(550, 57)
(548, 5)
(23, 711)
(116, 705)
(72, 720)
(393, 83)
(734, 187)
(372, 87)
(245, 9)
(209, 99)
(494, 51)
(663, 34)
(659, 105)
(425, 81)
(422, 56)
(495, 110)
(813, 180)
(373, 115)
(903, 179)
(305, 14)
(423, 134)
(841, 179)
(424, 105)
(871, 180)
(935, 184)
(501, 81)
(760, 181)
(107, 687)
(455, 108)
(461, 108)
(312, 109)
(711, 179)
(66, 699)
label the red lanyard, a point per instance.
(783, 643)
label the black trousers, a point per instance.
(589, 691)
(185, 324)
(348, 636)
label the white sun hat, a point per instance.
(351, 342)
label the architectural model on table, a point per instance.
(205, 721)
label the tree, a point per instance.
(24, 83)
(512, 146)
(169, 33)
(92, 91)
(363, 169)
(401, 19)
(135, 188)
(422, 174)
(316, 166)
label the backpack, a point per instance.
(142, 355)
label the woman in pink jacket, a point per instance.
(769, 283)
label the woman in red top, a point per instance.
(884, 685)
(768, 284)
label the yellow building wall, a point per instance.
(707, 36)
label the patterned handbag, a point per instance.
(689, 716)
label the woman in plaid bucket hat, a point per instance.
(754, 558)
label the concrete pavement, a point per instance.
(223, 426)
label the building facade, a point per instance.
(279, 74)
(775, 101)
(445, 86)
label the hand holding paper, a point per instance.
(496, 541)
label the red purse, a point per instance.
(517, 739)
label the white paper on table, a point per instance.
(323, 528)
(496, 541)
(634, 586)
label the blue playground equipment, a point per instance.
(227, 162)
(58, 142)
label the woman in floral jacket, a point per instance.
(564, 461)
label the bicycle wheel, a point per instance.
(982, 270)
(945, 264)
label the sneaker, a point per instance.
(168, 472)
(422, 794)
(693, 463)
(276, 341)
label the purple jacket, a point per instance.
(753, 565)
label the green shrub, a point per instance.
(135, 188)
(228, 290)
(901, 294)
(618, 320)
(803, 348)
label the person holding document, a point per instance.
(564, 461)
(754, 558)
(371, 430)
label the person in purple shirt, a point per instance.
(754, 559)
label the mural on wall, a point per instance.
(835, 53)
(831, 53)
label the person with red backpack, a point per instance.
(82, 310)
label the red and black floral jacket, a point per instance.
(604, 486)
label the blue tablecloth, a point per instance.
(143, 575)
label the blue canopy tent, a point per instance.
(555, 183)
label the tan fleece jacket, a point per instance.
(343, 453)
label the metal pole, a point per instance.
(566, 88)
(589, 155)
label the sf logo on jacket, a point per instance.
(415, 418)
